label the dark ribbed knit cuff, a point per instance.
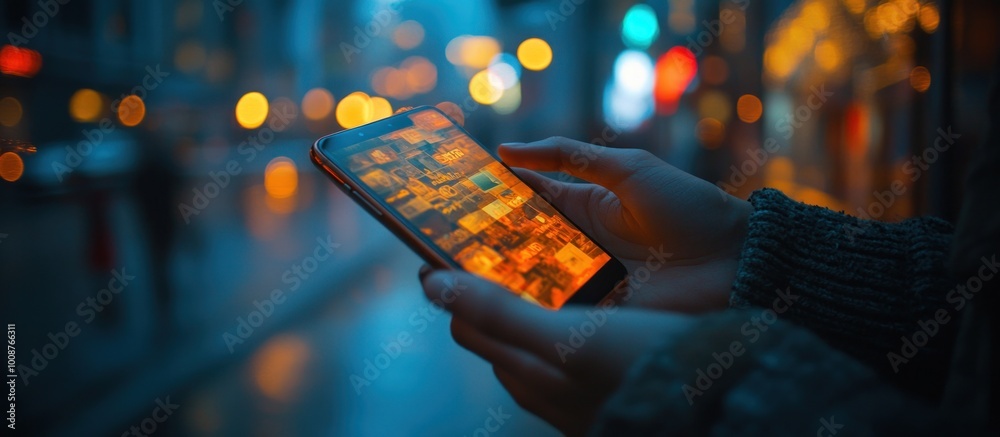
(860, 285)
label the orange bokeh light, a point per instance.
(749, 108)
(11, 167)
(674, 71)
(281, 178)
(131, 110)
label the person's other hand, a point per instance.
(687, 232)
(565, 386)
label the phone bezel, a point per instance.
(592, 292)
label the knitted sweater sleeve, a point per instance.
(728, 376)
(876, 291)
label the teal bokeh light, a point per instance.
(640, 28)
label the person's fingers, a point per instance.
(537, 385)
(498, 313)
(569, 419)
(572, 199)
(424, 271)
(605, 166)
(546, 379)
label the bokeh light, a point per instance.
(397, 85)
(317, 104)
(714, 70)
(10, 112)
(472, 51)
(749, 108)
(634, 72)
(509, 101)
(278, 367)
(815, 15)
(355, 110)
(534, 54)
(19, 61)
(381, 108)
(86, 105)
(11, 166)
(485, 87)
(131, 110)
(710, 132)
(929, 17)
(715, 104)
(674, 71)
(855, 6)
(640, 27)
(420, 74)
(827, 55)
(281, 178)
(408, 34)
(920, 78)
(251, 110)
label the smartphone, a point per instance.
(459, 207)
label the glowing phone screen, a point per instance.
(474, 208)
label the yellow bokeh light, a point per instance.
(408, 34)
(478, 51)
(131, 110)
(11, 166)
(908, 7)
(453, 51)
(534, 54)
(355, 110)
(485, 88)
(715, 104)
(381, 108)
(749, 108)
(827, 55)
(778, 62)
(799, 38)
(710, 132)
(855, 6)
(815, 15)
(86, 105)
(891, 18)
(281, 178)
(317, 104)
(929, 17)
(920, 78)
(251, 110)
(10, 112)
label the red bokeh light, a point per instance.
(17, 61)
(674, 71)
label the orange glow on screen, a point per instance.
(477, 211)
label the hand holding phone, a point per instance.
(459, 207)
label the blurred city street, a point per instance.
(172, 263)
